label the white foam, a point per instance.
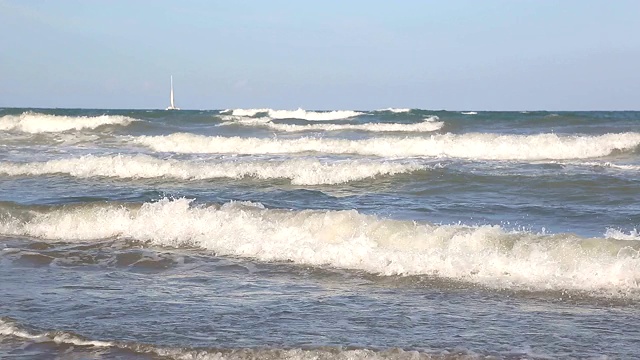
(396, 110)
(324, 353)
(425, 126)
(428, 125)
(296, 114)
(469, 113)
(626, 167)
(620, 235)
(245, 112)
(470, 146)
(34, 123)
(313, 115)
(10, 329)
(300, 171)
(244, 120)
(485, 255)
(60, 337)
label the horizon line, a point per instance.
(300, 108)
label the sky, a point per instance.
(321, 55)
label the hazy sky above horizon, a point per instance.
(286, 54)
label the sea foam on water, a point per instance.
(299, 171)
(479, 146)
(486, 255)
(34, 123)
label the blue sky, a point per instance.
(286, 54)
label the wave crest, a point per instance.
(428, 125)
(486, 255)
(62, 340)
(300, 171)
(479, 146)
(34, 123)
(296, 114)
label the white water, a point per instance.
(9, 329)
(244, 112)
(428, 125)
(34, 123)
(620, 235)
(396, 110)
(297, 114)
(478, 146)
(300, 171)
(486, 255)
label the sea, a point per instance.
(300, 234)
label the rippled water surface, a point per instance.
(260, 233)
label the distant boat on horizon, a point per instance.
(172, 106)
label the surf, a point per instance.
(473, 146)
(427, 125)
(34, 123)
(486, 255)
(299, 171)
(296, 114)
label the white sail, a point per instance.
(172, 106)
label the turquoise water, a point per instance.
(261, 233)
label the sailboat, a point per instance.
(172, 106)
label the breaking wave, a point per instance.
(296, 114)
(299, 171)
(428, 125)
(396, 110)
(34, 123)
(244, 112)
(469, 146)
(620, 235)
(486, 255)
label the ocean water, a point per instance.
(276, 234)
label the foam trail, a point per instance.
(469, 146)
(429, 125)
(609, 165)
(486, 255)
(300, 171)
(426, 126)
(9, 328)
(244, 120)
(469, 113)
(34, 123)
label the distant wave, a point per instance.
(396, 110)
(34, 123)
(428, 125)
(469, 113)
(299, 171)
(244, 112)
(297, 114)
(470, 146)
(486, 255)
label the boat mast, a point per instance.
(172, 104)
